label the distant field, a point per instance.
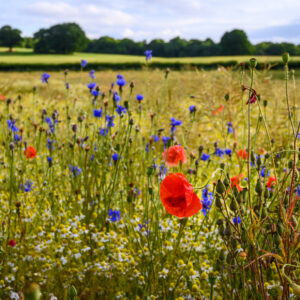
(26, 58)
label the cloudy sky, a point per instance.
(263, 20)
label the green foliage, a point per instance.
(62, 38)
(235, 42)
(10, 37)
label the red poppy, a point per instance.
(12, 243)
(2, 97)
(235, 182)
(178, 197)
(215, 112)
(30, 152)
(174, 155)
(271, 181)
(261, 151)
(242, 153)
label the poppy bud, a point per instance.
(218, 202)
(266, 194)
(291, 164)
(285, 57)
(258, 162)
(258, 188)
(226, 182)
(32, 291)
(226, 97)
(253, 63)
(227, 231)
(222, 166)
(72, 292)
(265, 103)
(233, 205)
(220, 188)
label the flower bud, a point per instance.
(32, 291)
(285, 57)
(258, 188)
(220, 188)
(72, 292)
(253, 63)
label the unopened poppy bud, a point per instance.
(72, 292)
(258, 161)
(265, 103)
(220, 188)
(32, 291)
(233, 205)
(258, 187)
(266, 194)
(291, 164)
(285, 57)
(226, 182)
(253, 63)
(218, 201)
(227, 231)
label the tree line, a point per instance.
(69, 37)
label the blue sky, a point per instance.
(263, 20)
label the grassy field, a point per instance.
(92, 205)
(26, 56)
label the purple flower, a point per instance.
(121, 110)
(174, 123)
(207, 200)
(192, 108)
(205, 157)
(115, 157)
(120, 80)
(84, 63)
(139, 97)
(228, 151)
(114, 215)
(92, 74)
(98, 113)
(45, 77)
(91, 85)
(148, 54)
(116, 97)
(237, 220)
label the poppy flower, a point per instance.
(174, 155)
(235, 182)
(271, 181)
(261, 151)
(178, 197)
(215, 112)
(12, 243)
(30, 152)
(242, 153)
(2, 97)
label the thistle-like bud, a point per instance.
(258, 187)
(32, 291)
(72, 292)
(253, 63)
(220, 188)
(285, 57)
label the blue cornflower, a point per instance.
(207, 200)
(98, 113)
(139, 97)
(67, 85)
(45, 77)
(155, 138)
(147, 147)
(237, 220)
(84, 63)
(114, 215)
(50, 145)
(12, 126)
(115, 157)
(116, 97)
(50, 123)
(165, 140)
(205, 157)
(95, 93)
(103, 131)
(148, 54)
(263, 172)
(120, 109)
(49, 159)
(228, 151)
(92, 74)
(17, 138)
(162, 172)
(230, 129)
(92, 157)
(75, 170)
(145, 227)
(120, 80)
(298, 191)
(91, 85)
(192, 108)
(110, 121)
(219, 152)
(27, 186)
(174, 123)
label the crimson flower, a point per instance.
(178, 197)
(174, 155)
(30, 152)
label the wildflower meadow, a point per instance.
(150, 184)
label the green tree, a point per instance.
(235, 42)
(62, 38)
(10, 37)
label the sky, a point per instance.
(263, 20)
